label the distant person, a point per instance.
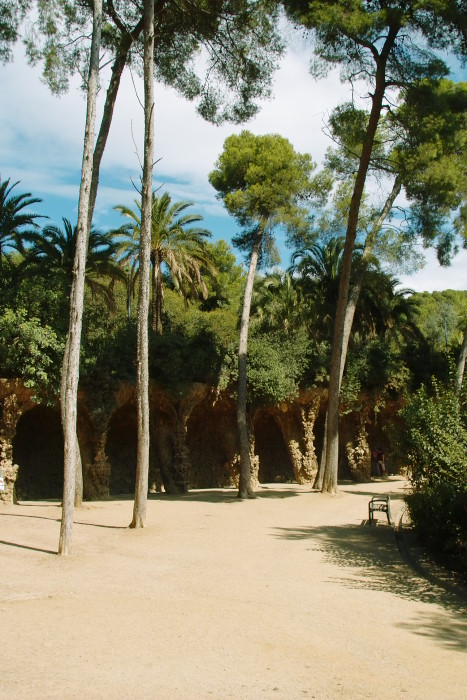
(374, 463)
(2, 480)
(380, 462)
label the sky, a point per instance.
(41, 146)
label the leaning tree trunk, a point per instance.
(245, 490)
(341, 323)
(461, 362)
(70, 370)
(121, 57)
(142, 379)
(354, 295)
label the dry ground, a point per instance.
(287, 596)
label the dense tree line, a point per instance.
(293, 308)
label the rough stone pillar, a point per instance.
(9, 470)
(10, 414)
(359, 455)
(98, 474)
(197, 393)
(299, 436)
(254, 459)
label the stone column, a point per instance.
(299, 436)
(10, 415)
(197, 393)
(98, 473)
(359, 455)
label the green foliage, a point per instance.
(193, 346)
(237, 39)
(374, 368)
(175, 244)
(441, 317)
(436, 437)
(31, 352)
(225, 289)
(51, 254)
(436, 445)
(430, 156)
(262, 179)
(276, 364)
(11, 14)
(14, 220)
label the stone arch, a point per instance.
(38, 451)
(121, 449)
(275, 464)
(212, 445)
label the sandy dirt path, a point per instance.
(288, 596)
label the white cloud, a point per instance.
(433, 277)
(41, 144)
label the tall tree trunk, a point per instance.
(70, 369)
(340, 323)
(119, 64)
(142, 380)
(245, 490)
(78, 477)
(461, 361)
(318, 483)
(354, 295)
(156, 311)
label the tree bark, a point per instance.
(142, 380)
(245, 490)
(156, 311)
(354, 294)
(119, 64)
(461, 362)
(70, 369)
(78, 477)
(341, 322)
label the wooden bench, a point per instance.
(380, 504)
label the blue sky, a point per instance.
(41, 145)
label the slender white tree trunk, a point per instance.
(70, 369)
(461, 361)
(142, 379)
(245, 490)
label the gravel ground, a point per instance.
(290, 595)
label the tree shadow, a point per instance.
(58, 520)
(369, 559)
(25, 546)
(224, 495)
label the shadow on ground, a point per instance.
(225, 495)
(369, 559)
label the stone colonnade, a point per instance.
(193, 440)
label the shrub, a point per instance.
(436, 444)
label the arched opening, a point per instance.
(121, 449)
(212, 445)
(38, 451)
(274, 461)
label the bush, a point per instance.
(436, 444)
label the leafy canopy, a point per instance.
(264, 183)
(220, 53)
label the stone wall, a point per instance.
(193, 442)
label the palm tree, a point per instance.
(317, 268)
(52, 251)
(175, 243)
(277, 301)
(13, 218)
